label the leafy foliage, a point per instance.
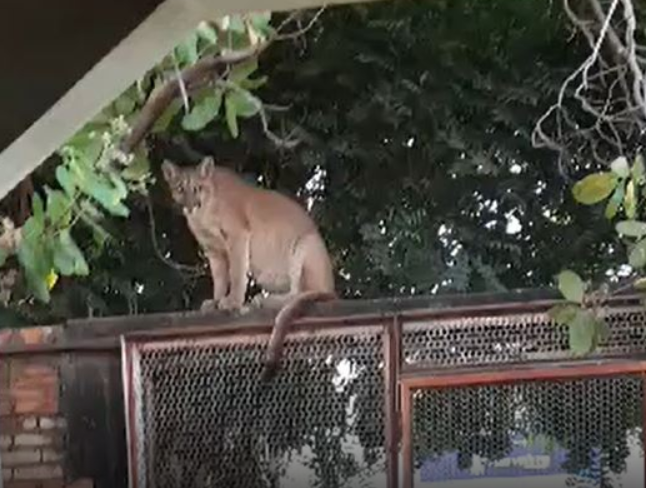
(95, 178)
(622, 187)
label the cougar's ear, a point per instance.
(206, 166)
(169, 170)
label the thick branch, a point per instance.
(191, 77)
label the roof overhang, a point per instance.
(141, 31)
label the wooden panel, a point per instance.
(92, 403)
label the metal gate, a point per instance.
(415, 398)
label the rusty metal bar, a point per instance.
(408, 468)
(391, 345)
(129, 399)
(644, 422)
(529, 372)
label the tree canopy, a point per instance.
(414, 122)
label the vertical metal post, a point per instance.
(391, 346)
(1, 471)
(643, 375)
(407, 435)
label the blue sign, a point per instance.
(525, 459)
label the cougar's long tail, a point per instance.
(290, 311)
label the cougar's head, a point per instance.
(189, 185)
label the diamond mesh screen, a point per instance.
(511, 338)
(583, 432)
(202, 420)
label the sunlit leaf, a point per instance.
(614, 202)
(37, 206)
(186, 52)
(637, 256)
(138, 168)
(563, 313)
(637, 171)
(630, 200)
(64, 178)
(246, 105)
(207, 32)
(640, 284)
(68, 258)
(203, 112)
(594, 188)
(571, 286)
(231, 115)
(631, 228)
(242, 71)
(253, 84)
(51, 279)
(59, 207)
(620, 167)
(581, 333)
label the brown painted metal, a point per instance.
(391, 346)
(408, 468)
(518, 373)
(525, 372)
(644, 420)
(130, 405)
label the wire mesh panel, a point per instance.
(201, 418)
(575, 433)
(512, 338)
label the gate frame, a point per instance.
(132, 344)
(510, 373)
(400, 379)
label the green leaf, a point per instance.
(64, 178)
(34, 257)
(640, 284)
(614, 202)
(37, 206)
(246, 105)
(582, 332)
(138, 168)
(637, 255)
(637, 171)
(260, 22)
(68, 258)
(602, 330)
(571, 286)
(236, 24)
(563, 313)
(630, 200)
(59, 208)
(631, 228)
(207, 32)
(186, 52)
(203, 112)
(620, 167)
(242, 71)
(231, 116)
(3, 257)
(127, 101)
(164, 121)
(253, 84)
(594, 188)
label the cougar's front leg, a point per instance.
(238, 252)
(218, 265)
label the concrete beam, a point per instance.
(129, 60)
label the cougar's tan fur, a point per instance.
(265, 235)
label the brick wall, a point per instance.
(32, 427)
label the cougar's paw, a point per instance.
(230, 304)
(208, 306)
